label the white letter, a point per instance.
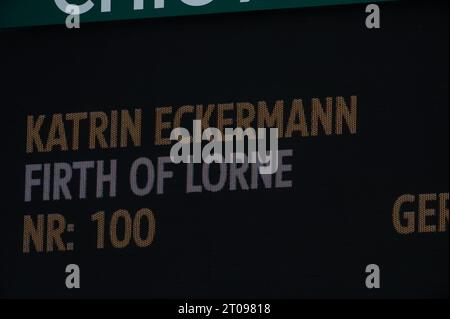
(160, 4)
(196, 3)
(239, 154)
(214, 145)
(73, 280)
(147, 163)
(373, 280)
(163, 174)
(197, 144)
(83, 8)
(271, 161)
(373, 19)
(60, 180)
(83, 167)
(184, 144)
(103, 178)
(73, 18)
(106, 5)
(29, 180)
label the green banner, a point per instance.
(17, 13)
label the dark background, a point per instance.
(311, 241)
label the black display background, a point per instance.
(311, 241)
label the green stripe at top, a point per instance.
(17, 13)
